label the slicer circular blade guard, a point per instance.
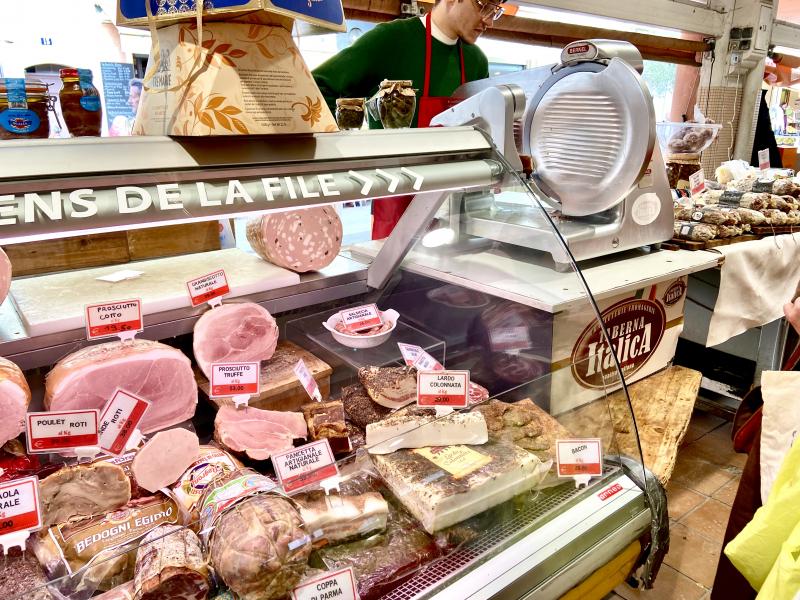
(590, 130)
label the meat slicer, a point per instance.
(588, 125)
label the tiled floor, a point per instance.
(700, 494)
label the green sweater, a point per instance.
(396, 50)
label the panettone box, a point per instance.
(239, 79)
(325, 13)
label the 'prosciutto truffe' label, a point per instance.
(235, 379)
(208, 287)
(340, 585)
(63, 430)
(361, 317)
(113, 318)
(443, 388)
(303, 466)
(19, 505)
(119, 419)
(307, 380)
(579, 457)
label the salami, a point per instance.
(776, 217)
(698, 232)
(170, 565)
(750, 217)
(15, 396)
(299, 240)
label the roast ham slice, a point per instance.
(243, 332)
(161, 374)
(15, 396)
(5, 275)
(258, 433)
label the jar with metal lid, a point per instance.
(24, 107)
(80, 103)
(680, 167)
(350, 113)
(397, 102)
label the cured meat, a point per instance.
(243, 332)
(21, 577)
(170, 565)
(161, 374)
(164, 458)
(83, 491)
(339, 518)
(392, 387)
(121, 592)
(258, 433)
(360, 408)
(15, 396)
(5, 275)
(212, 464)
(698, 232)
(325, 420)
(415, 427)
(477, 393)
(750, 217)
(299, 240)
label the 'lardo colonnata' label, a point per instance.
(579, 457)
(303, 466)
(208, 287)
(340, 585)
(119, 419)
(61, 430)
(234, 379)
(113, 318)
(19, 506)
(443, 388)
(361, 317)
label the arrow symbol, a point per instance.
(418, 179)
(366, 181)
(393, 180)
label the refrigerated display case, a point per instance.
(427, 502)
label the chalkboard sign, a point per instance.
(731, 199)
(760, 187)
(116, 89)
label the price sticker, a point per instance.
(410, 353)
(123, 318)
(503, 339)
(361, 317)
(119, 419)
(63, 430)
(307, 380)
(579, 458)
(333, 584)
(697, 182)
(235, 379)
(208, 287)
(425, 362)
(19, 506)
(763, 159)
(443, 388)
(304, 466)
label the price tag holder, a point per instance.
(410, 352)
(443, 388)
(208, 288)
(20, 511)
(122, 318)
(361, 317)
(62, 430)
(763, 159)
(697, 182)
(307, 380)
(119, 420)
(239, 380)
(333, 584)
(304, 466)
(579, 459)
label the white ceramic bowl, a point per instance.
(362, 341)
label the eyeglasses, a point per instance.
(490, 9)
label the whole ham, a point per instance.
(15, 396)
(5, 275)
(258, 433)
(156, 372)
(243, 332)
(299, 240)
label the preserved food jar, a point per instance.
(80, 103)
(397, 101)
(350, 113)
(680, 167)
(23, 109)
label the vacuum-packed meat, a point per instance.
(164, 458)
(240, 332)
(299, 240)
(258, 433)
(697, 232)
(156, 372)
(170, 566)
(21, 576)
(750, 217)
(776, 217)
(336, 518)
(15, 396)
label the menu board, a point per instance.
(116, 88)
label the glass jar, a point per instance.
(350, 113)
(680, 167)
(397, 102)
(80, 103)
(24, 109)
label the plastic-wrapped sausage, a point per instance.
(713, 215)
(776, 202)
(786, 187)
(793, 217)
(697, 232)
(709, 197)
(754, 201)
(775, 217)
(750, 217)
(728, 231)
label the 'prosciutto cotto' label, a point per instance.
(443, 388)
(361, 317)
(303, 466)
(64, 430)
(234, 379)
(338, 585)
(119, 419)
(579, 457)
(113, 318)
(208, 287)
(19, 505)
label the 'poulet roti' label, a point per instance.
(119, 419)
(459, 461)
(62, 430)
(338, 585)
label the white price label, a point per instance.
(119, 419)
(503, 339)
(208, 287)
(307, 380)
(763, 159)
(579, 457)
(19, 506)
(61, 430)
(443, 388)
(697, 182)
(113, 318)
(234, 379)
(340, 585)
(303, 466)
(361, 317)
(425, 362)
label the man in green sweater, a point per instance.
(436, 52)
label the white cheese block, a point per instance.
(416, 428)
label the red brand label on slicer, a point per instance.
(579, 457)
(234, 379)
(580, 49)
(442, 388)
(307, 380)
(119, 419)
(19, 505)
(208, 287)
(340, 585)
(361, 317)
(113, 318)
(64, 430)
(306, 465)
(610, 491)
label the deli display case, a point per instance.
(418, 427)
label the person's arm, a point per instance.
(792, 312)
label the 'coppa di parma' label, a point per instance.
(361, 317)
(442, 388)
(305, 465)
(234, 379)
(63, 430)
(119, 419)
(579, 457)
(208, 287)
(19, 505)
(340, 585)
(113, 318)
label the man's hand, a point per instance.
(792, 312)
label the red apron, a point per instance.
(386, 212)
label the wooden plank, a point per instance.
(172, 240)
(49, 256)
